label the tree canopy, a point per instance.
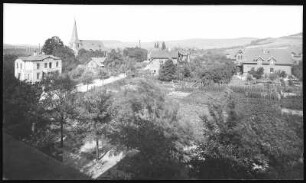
(51, 44)
(167, 71)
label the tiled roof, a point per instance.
(38, 58)
(163, 54)
(281, 56)
(91, 45)
(98, 60)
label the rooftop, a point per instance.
(163, 54)
(38, 58)
(281, 56)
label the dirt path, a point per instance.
(99, 82)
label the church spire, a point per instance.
(74, 36)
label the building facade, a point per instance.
(92, 45)
(35, 68)
(271, 60)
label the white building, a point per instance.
(34, 68)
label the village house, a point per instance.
(92, 45)
(96, 63)
(36, 67)
(270, 59)
(158, 57)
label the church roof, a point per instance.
(92, 45)
(38, 58)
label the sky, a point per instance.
(32, 24)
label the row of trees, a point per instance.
(163, 45)
(200, 69)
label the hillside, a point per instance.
(294, 42)
(189, 43)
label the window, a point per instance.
(46, 65)
(50, 64)
(21, 66)
(38, 75)
(38, 65)
(17, 65)
(271, 69)
(19, 75)
(56, 64)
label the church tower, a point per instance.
(74, 41)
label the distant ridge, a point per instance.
(186, 43)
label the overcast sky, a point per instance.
(33, 24)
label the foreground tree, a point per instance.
(95, 112)
(58, 99)
(254, 143)
(145, 122)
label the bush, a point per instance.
(258, 73)
(273, 76)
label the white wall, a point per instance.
(29, 69)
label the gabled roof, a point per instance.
(98, 60)
(38, 58)
(281, 56)
(163, 54)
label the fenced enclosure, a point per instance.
(270, 92)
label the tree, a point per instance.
(58, 99)
(297, 70)
(137, 54)
(66, 54)
(84, 56)
(95, 112)
(273, 76)
(145, 122)
(77, 73)
(87, 77)
(258, 73)
(163, 46)
(254, 136)
(167, 71)
(51, 44)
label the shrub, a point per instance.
(273, 76)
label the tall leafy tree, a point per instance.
(66, 54)
(167, 71)
(144, 121)
(95, 112)
(58, 99)
(297, 70)
(51, 44)
(163, 46)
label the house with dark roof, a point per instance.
(271, 59)
(34, 68)
(92, 45)
(158, 57)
